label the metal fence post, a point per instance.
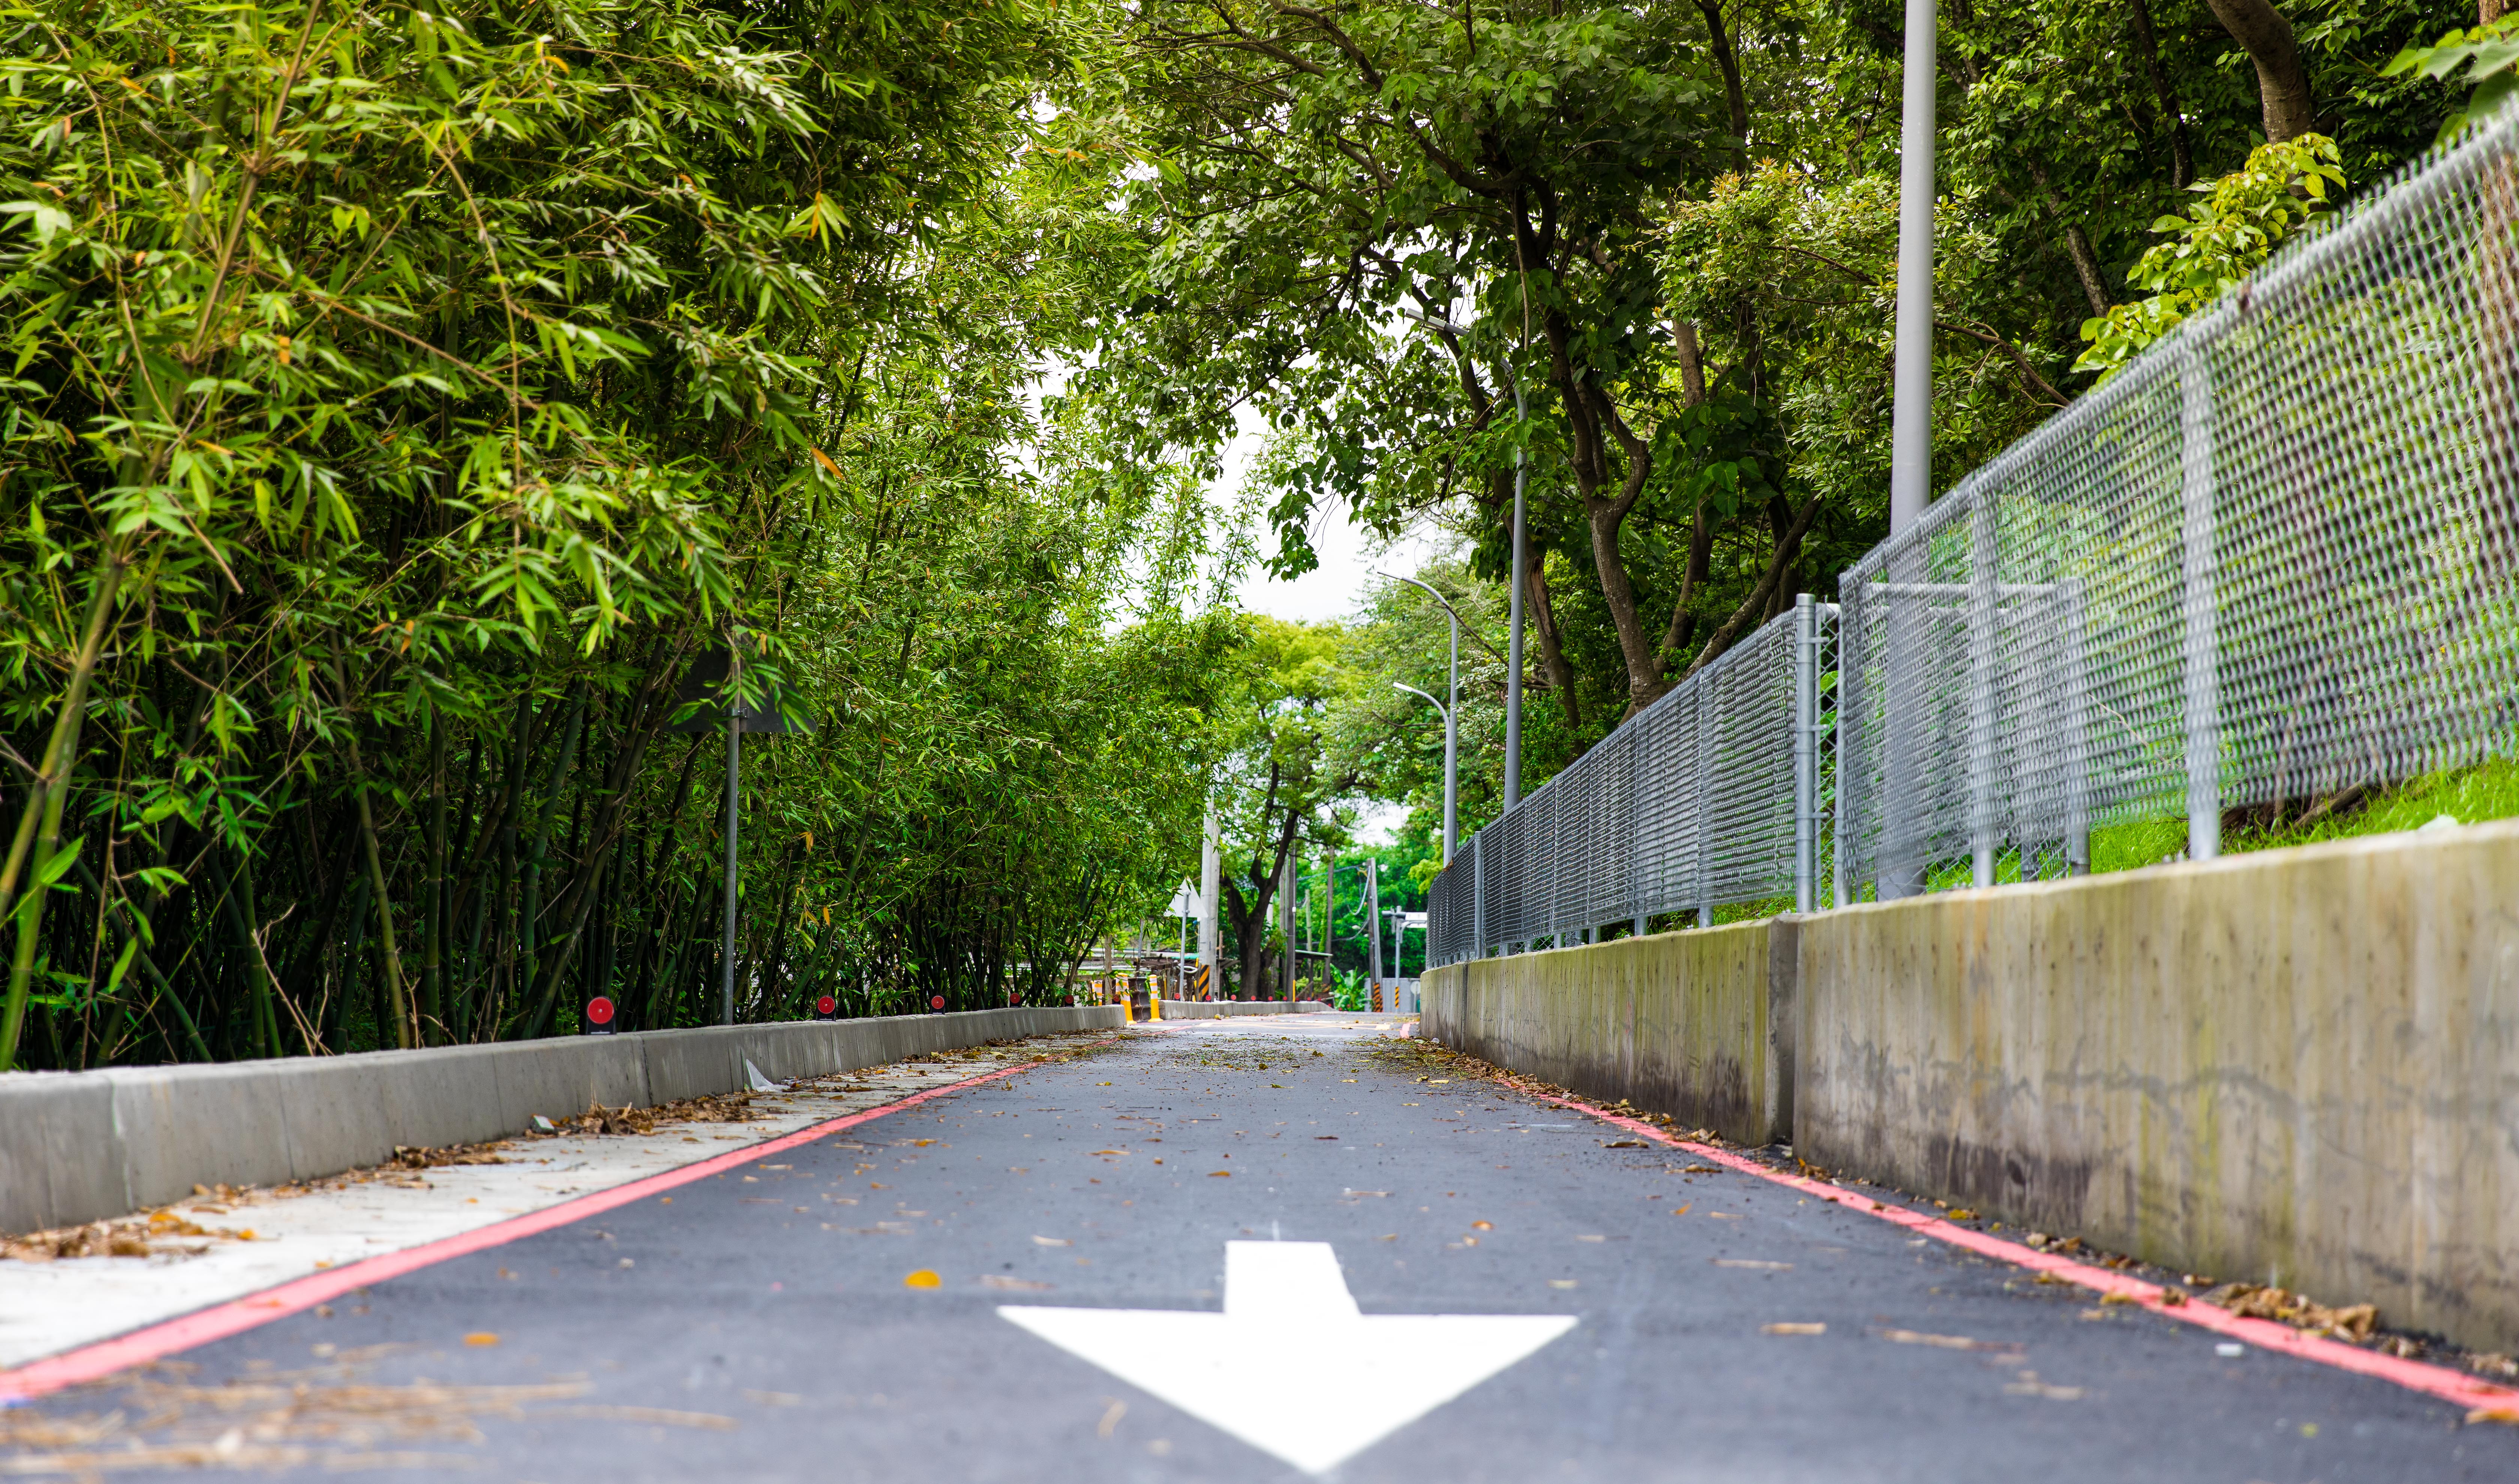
(2203, 681)
(1983, 605)
(2077, 734)
(1840, 882)
(1705, 805)
(1479, 895)
(1805, 753)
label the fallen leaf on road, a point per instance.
(922, 1143)
(1683, 1211)
(1109, 1151)
(481, 1337)
(2505, 1415)
(1626, 1144)
(1753, 1264)
(1000, 1281)
(1700, 1169)
(1726, 1215)
(1945, 1342)
(1331, 1137)
(1791, 1328)
(924, 1277)
(653, 1415)
(1053, 1242)
(1483, 1226)
(1219, 1174)
(1368, 1193)
(1591, 1239)
(1964, 1214)
(1110, 1420)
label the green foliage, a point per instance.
(410, 398)
(2487, 54)
(2227, 234)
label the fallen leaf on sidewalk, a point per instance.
(1792, 1329)
(1626, 1144)
(1219, 1174)
(1683, 1211)
(924, 1277)
(2508, 1415)
(481, 1337)
(1053, 1242)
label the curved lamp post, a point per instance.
(1452, 721)
(1451, 753)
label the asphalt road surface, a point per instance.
(1323, 1263)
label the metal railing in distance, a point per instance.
(2276, 557)
(1710, 796)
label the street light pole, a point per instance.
(733, 794)
(1451, 723)
(1521, 580)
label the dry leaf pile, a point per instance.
(323, 1418)
(406, 1156)
(2353, 1322)
(146, 1233)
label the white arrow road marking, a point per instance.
(1288, 1312)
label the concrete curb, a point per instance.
(87, 1146)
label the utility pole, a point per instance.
(1210, 887)
(1329, 927)
(1373, 928)
(1286, 926)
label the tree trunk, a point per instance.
(2282, 82)
(2182, 155)
(1552, 648)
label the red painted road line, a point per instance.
(219, 1321)
(2432, 1380)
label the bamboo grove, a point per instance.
(400, 403)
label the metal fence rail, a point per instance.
(1711, 794)
(2276, 557)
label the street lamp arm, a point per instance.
(1462, 624)
(1439, 708)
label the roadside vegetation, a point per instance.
(404, 408)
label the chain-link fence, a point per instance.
(1711, 794)
(2275, 558)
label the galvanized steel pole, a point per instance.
(1512, 642)
(733, 796)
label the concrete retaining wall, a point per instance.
(1209, 1010)
(85, 1146)
(2296, 1067)
(1695, 1025)
(2299, 1066)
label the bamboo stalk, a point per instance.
(51, 789)
(405, 1032)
